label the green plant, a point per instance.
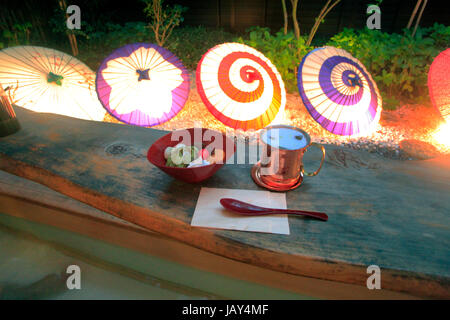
(440, 35)
(398, 63)
(116, 35)
(19, 34)
(163, 19)
(284, 50)
(190, 43)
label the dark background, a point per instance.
(241, 14)
(232, 15)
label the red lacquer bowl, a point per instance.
(203, 138)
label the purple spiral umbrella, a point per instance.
(142, 84)
(338, 92)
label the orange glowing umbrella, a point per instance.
(240, 86)
(47, 80)
(439, 83)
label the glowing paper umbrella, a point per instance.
(439, 83)
(142, 84)
(338, 91)
(47, 80)
(240, 86)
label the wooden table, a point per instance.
(393, 214)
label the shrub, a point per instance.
(19, 34)
(116, 35)
(163, 19)
(285, 51)
(191, 43)
(398, 63)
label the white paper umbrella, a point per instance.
(48, 80)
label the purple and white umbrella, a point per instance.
(338, 92)
(142, 84)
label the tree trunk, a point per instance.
(285, 16)
(218, 14)
(419, 17)
(294, 18)
(413, 14)
(233, 15)
(70, 35)
(325, 10)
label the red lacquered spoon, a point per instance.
(248, 209)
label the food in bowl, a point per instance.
(182, 156)
(210, 144)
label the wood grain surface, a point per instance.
(390, 213)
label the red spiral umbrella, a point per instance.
(240, 86)
(439, 83)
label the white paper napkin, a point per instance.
(210, 213)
